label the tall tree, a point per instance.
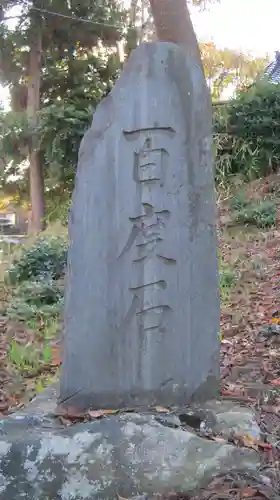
(173, 24)
(49, 34)
(36, 175)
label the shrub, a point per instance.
(261, 214)
(46, 258)
(36, 299)
(246, 134)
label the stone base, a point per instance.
(126, 454)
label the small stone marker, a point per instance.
(142, 301)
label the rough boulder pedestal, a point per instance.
(130, 455)
(142, 305)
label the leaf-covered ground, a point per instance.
(250, 354)
(250, 361)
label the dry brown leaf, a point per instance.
(56, 356)
(264, 446)
(247, 441)
(161, 409)
(70, 413)
(93, 414)
(248, 492)
(275, 382)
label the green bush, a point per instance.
(46, 258)
(247, 134)
(261, 214)
(39, 293)
(36, 299)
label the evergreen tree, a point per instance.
(51, 62)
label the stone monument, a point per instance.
(142, 299)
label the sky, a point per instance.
(250, 26)
(245, 25)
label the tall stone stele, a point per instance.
(142, 300)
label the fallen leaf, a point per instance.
(101, 413)
(248, 492)
(250, 442)
(264, 446)
(275, 382)
(247, 441)
(96, 414)
(12, 401)
(56, 358)
(70, 413)
(161, 409)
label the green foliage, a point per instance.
(61, 128)
(238, 202)
(227, 279)
(247, 134)
(58, 209)
(261, 214)
(39, 293)
(28, 359)
(46, 258)
(24, 357)
(79, 66)
(35, 300)
(13, 146)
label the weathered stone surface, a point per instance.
(223, 418)
(142, 305)
(126, 454)
(234, 418)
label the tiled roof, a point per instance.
(272, 71)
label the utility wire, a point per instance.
(72, 18)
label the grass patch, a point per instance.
(262, 214)
(227, 279)
(29, 359)
(31, 298)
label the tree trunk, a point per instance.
(36, 177)
(173, 24)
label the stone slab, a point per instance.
(142, 301)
